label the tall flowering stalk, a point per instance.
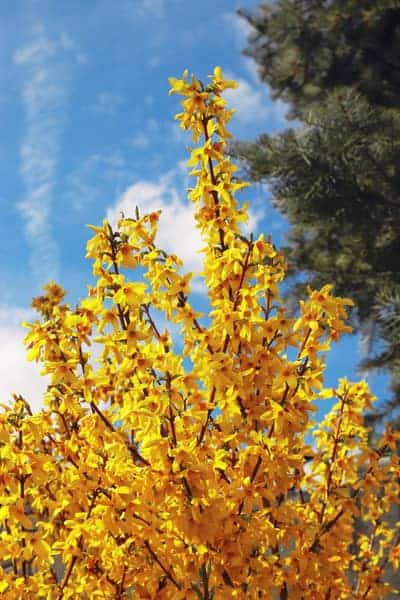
(157, 474)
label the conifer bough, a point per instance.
(157, 474)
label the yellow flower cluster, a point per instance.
(157, 474)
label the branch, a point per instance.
(157, 560)
(131, 447)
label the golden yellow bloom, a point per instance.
(165, 468)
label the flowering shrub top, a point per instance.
(152, 473)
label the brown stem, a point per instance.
(382, 566)
(243, 274)
(303, 345)
(68, 573)
(111, 239)
(22, 479)
(63, 419)
(121, 585)
(284, 595)
(255, 470)
(333, 457)
(139, 518)
(188, 489)
(205, 424)
(226, 343)
(268, 304)
(252, 478)
(131, 447)
(171, 417)
(200, 330)
(364, 565)
(26, 403)
(214, 193)
(324, 529)
(164, 569)
(146, 308)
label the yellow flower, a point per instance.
(166, 464)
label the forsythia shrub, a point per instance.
(152, 473)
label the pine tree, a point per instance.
(336, 177)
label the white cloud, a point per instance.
(252, 101)
(70, 45)
(247, 101)
(238, 26)
(139, 9)
(253, 104)
(33, 51)
(108, 103)
(44, 77)
(252, 69)
(241, 30)
(154, 61)
(141, 141)
(42, 99)
(177, 232)
(42, 45)
(87, 182)
(255, 217)
(17, 375)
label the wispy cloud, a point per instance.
(248, 102)
(86, 184)
(108, 103)
(252, 99)
(240, 31)
(43, 98)
(138, 9)
(141, 141)
(239, 27)
(154, 62)
(17, 375)
(252, 103)
(68, 44)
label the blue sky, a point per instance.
(87, 130)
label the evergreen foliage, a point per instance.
(336, 177)
(306, 48)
